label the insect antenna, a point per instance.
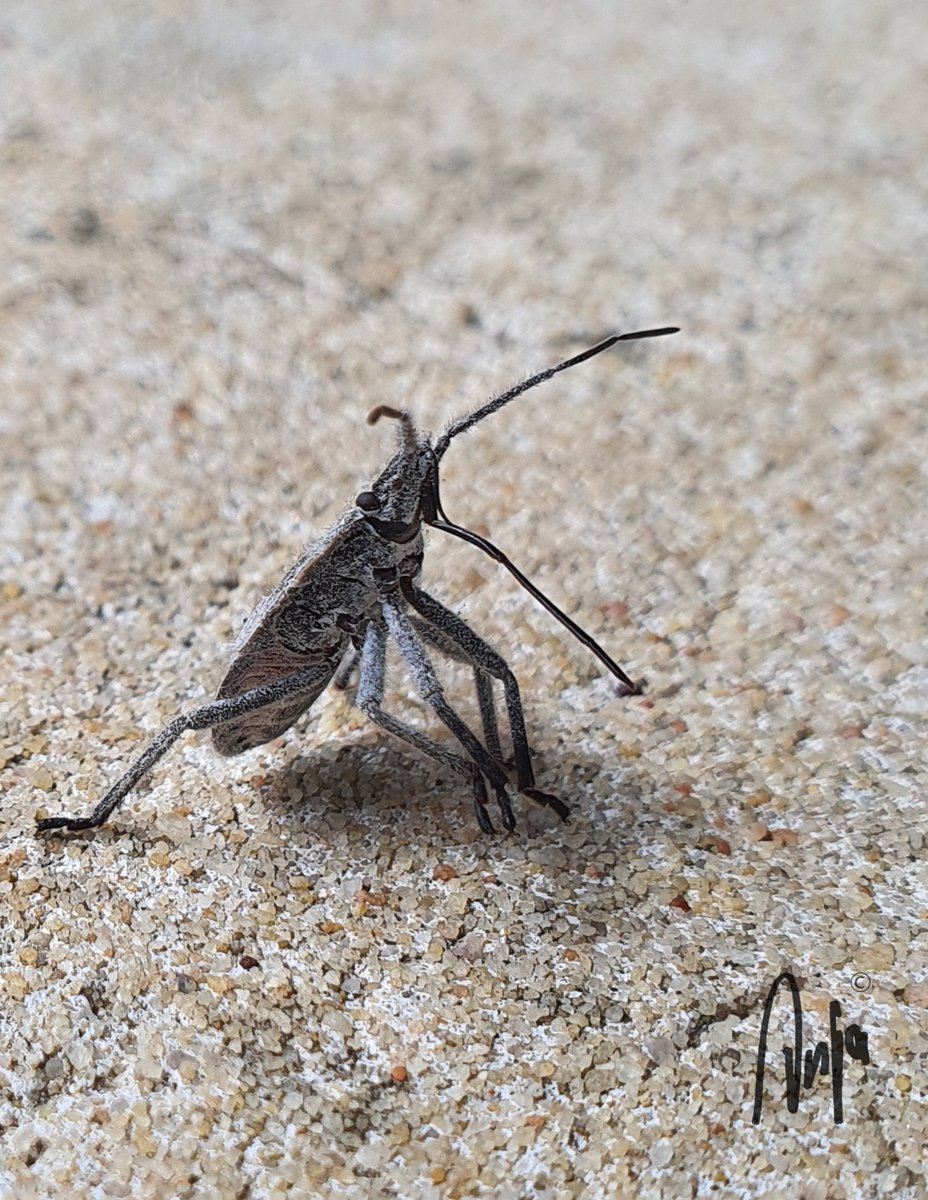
(492, 406)
(408, 430)
(435, 515)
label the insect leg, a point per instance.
(475, 650)
(417, 659)
(487, 704)
(369, 699)
(482, 680)
(342, 676)
(204, 717)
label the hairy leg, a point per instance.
(370, 699)
(476, 651)
(414, 652)
(204, 717)
(346, 668)
(482, 681)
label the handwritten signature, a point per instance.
(815, 1062)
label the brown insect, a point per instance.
(335, 609)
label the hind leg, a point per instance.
(204, 717)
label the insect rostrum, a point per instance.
(334, 611)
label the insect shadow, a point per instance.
(363, 780)
(353, 593)
(394, 793)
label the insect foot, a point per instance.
(351, 593)
(546, 800)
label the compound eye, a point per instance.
(367, 502)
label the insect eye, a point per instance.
(367, 502)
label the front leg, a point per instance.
(476, 651)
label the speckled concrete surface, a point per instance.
(228, 231)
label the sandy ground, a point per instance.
(228, 230)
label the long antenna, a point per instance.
(438, 519)
(581, 635)
(464, 423)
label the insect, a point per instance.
(334, 611)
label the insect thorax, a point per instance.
(326, 605)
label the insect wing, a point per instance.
(262, 665)
(260, 657)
